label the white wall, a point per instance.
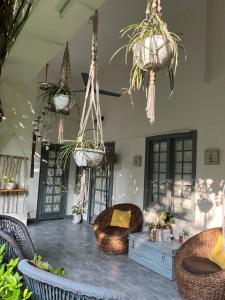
(194, 105)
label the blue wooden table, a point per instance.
(156, 256)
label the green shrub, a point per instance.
(45, 266)
(11, 287)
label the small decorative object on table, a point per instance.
(181, 238)
(78, 210)
(160, 230)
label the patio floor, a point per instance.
(60, 242)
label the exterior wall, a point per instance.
(195, 105)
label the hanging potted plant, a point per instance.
(89, 153)
(85, 152)
(57, 95)
(153, 47)
(77, 210)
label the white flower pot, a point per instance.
(154, 51)
(77, 218)
(88, 157)
(61, 101)
(10, 186)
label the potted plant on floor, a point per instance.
(85, 152)
(78, 210)
(153, 47)
(9, 182)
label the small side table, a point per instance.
(156, 256)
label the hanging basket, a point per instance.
(88, 157)
(152, 52)
(61, 101)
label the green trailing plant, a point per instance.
(152, 25)
(70, 146)
(11, 286)
(50, 90)
(78, 209)
(45, 266)
(77, 187)
(8, 179)
(62, 189)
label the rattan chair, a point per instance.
(12, 249)
(194, 286)
(18, 231)
(114, 240)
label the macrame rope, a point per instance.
(150, 108)
(61, 129)
(91, 109)
(153, 8)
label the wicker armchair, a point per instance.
(18, 231)
(45, 285)
(194, 286)
(12, 248)
(114, 240)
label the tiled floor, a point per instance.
(74, 246)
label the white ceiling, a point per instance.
(113, 15)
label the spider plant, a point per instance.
(50, 90)
(71, 145)
(152, 25)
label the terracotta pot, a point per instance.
(10, 186)
(152, 52)
(77, 218)
(88, 157)
(61, 101)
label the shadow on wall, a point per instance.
(209, 200)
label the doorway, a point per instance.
(53, 180)
(101, 185)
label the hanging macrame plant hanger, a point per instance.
(67, 101)
(91, 113)
(152, 55)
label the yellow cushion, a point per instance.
(217, 254)
(121, 218)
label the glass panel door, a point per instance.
(52, 183)
(101, 188)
